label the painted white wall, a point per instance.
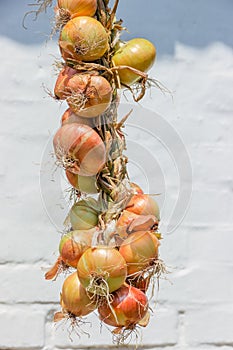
(195, 62)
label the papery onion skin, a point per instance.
(130, 222)
(139, 250)
(79, 149)
(143, 204)
(84, 214)
(137, 53)
(124, 221)
(78, 7)
(70, 117)
(90, 96)
(85, 184)
(135, 188)
(73, 245)
(102, 262)
(64, 76)
(74, 298)
(130, 305)
(83, 39)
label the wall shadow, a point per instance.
(194, 23)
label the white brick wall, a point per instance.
(195, 61)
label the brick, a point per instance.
(203, 283)
(21, 328)
(207, 245)
(95, 335)
(209, 207)
(29, 244)
(162, 329)
(26, 284)
(210, 325)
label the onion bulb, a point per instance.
(90, 95)
(74, 298)
(75, 8)
(143, 204)
(73, 245)
(102, 270)
(137, 53)
(130, 222)
(140, 251)
(83, 39)
(84, 214)
(85, 184)
(79, 149)
(70, 117)
(64, 76)
(129, 305)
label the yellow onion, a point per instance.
(64, 76)
(143, 204)
(140, 251)
(85, 184)
(84, 214)
(90, 95)
(79, 149)
(75, 8)
(135, 188)
(74, 298)
(101, 270)
(129, 305)
(83, 39)
(73, 245)
(130, 222)
(137, 53)
(70, 117)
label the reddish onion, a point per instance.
(88, 95)
(143, 204)
(101, 270)
(129, 305)
(140, 251)
(79, 149)
(84, 214)
(74, 298)
(83, 39)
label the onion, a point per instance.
(78, 7)
(73, 245)
(90, 95)
(79, 149)
(135, 188)
(102, 270)
(70, 117)
(74, 298)
(85, 184)
(140, 251)
(64, 76)
(83, 39)
(130, 222)
(129, 305)
(143, 204)
(84, 214)
(123, 223)
(137, 53)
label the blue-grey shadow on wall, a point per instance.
(196, 23)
